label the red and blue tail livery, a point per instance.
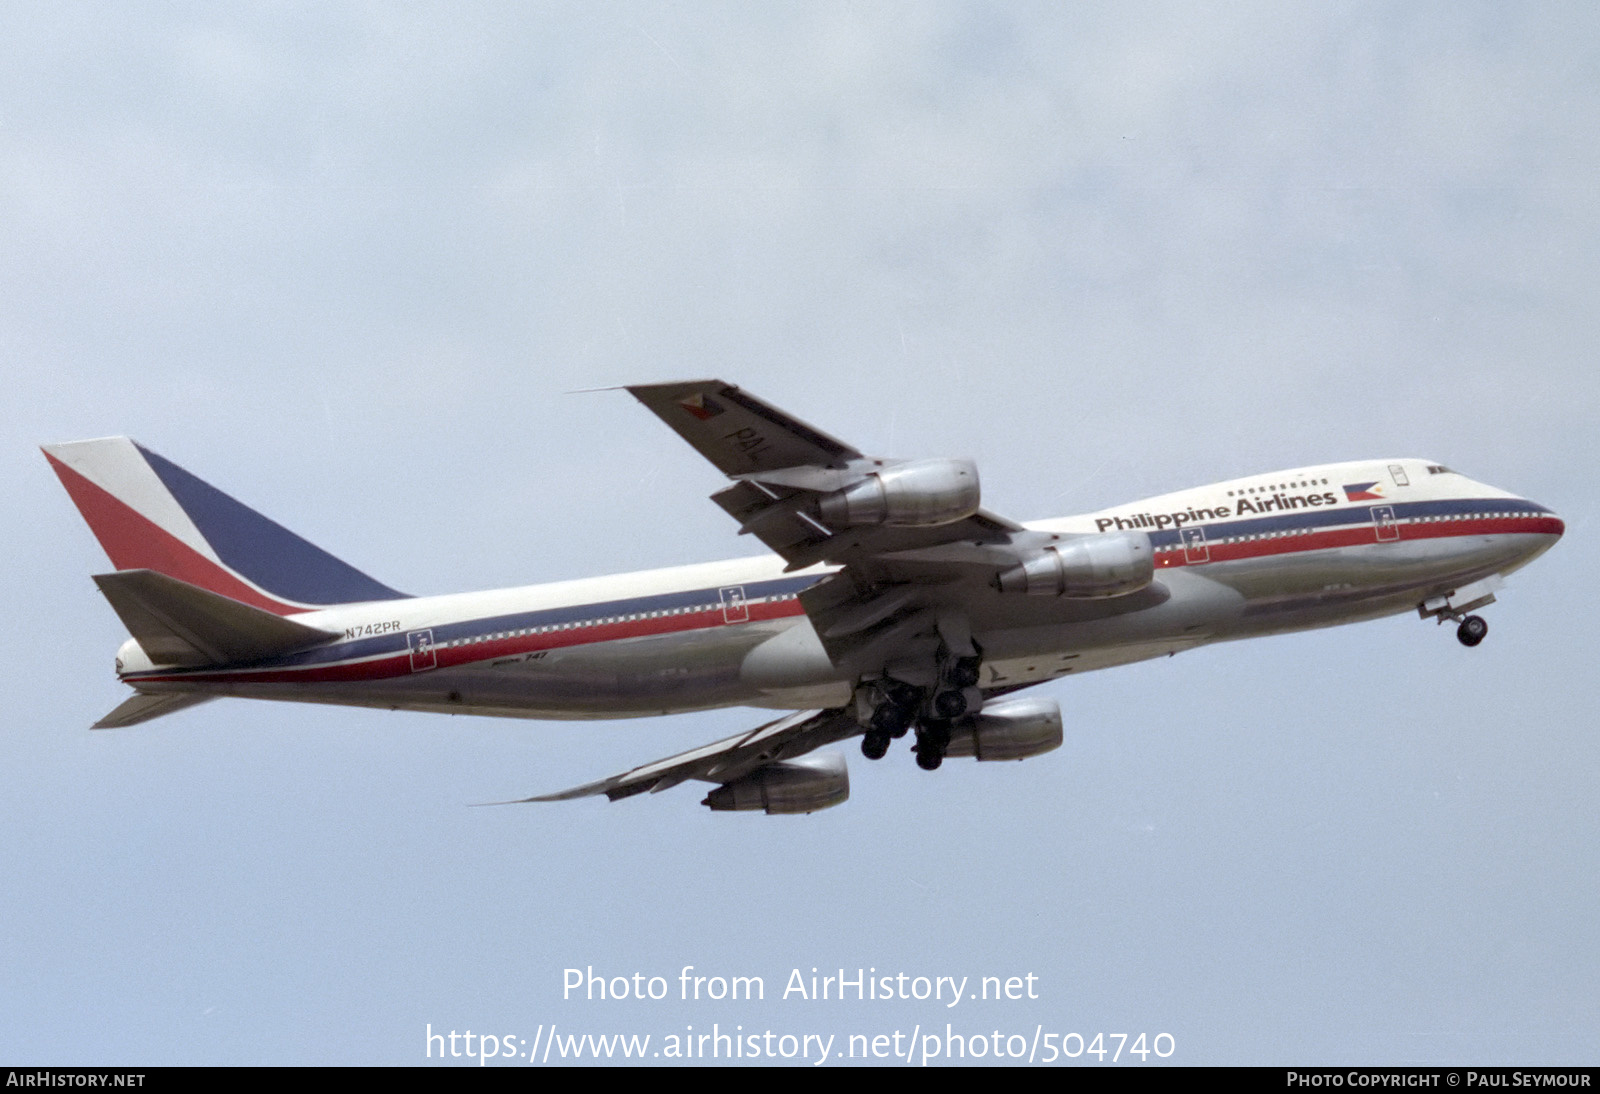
(151, 514)
(892, 604)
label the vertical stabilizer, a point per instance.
(150, 514)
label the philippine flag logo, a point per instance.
(1363, 491)
(702, 406)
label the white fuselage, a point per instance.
(1254, 556)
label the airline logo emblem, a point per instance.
(1363, 491)
(702, 406)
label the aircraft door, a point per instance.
(735, 608)
(422, 655)
(1195, 548)
(1384, 523)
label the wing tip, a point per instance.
(671, 388)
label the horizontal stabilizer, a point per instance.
(181, 624)
(142, 708)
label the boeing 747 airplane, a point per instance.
(893, 603)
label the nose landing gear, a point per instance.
(1470, 629)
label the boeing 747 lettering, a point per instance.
(893, 604)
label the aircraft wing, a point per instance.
(730, 760)
(919, 566)
(919, 560)
(790, 476)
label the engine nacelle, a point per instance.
(919, 494)
(804, 785)
(1008, 729)
(1092, 566)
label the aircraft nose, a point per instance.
(1549, 523)
(1543, 527)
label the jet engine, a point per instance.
(802, 785)
(1091, 566)
(920, 493)
(1008, 729)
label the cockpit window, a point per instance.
(1439, 469)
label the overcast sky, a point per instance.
(344, 261)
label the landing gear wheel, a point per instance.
(903, 695)
(1472, 630)
(963, 673)
(875, 745)
(891, 720)
(950, 704)
(932, 739)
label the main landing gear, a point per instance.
(933, 737)
(875, 746)
(894, 714)
(896, 707)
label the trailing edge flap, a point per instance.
(180, 624)
(142, 708)
(722, 761)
